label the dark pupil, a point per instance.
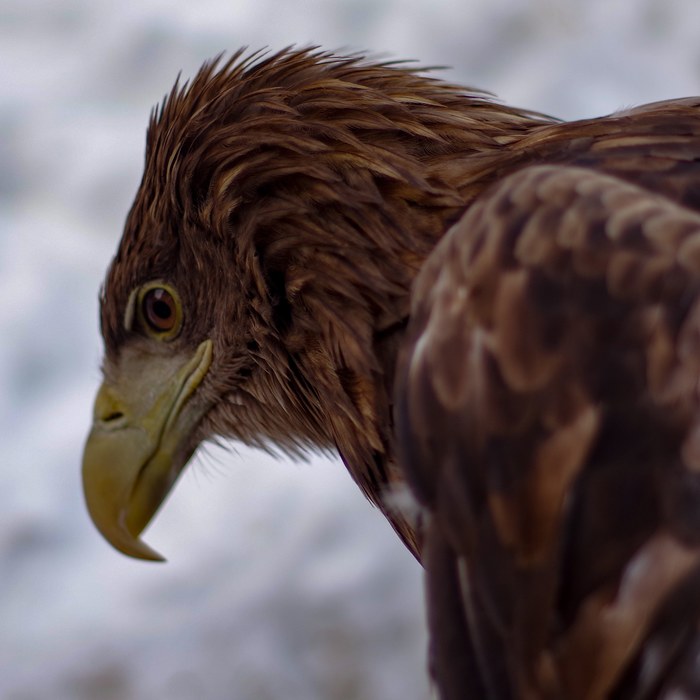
(159, 307)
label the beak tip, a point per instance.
(155, 557)
(158, 559)
(136, 548)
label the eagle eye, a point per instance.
(159, 310)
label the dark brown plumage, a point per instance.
(548, 418)
(547, 382)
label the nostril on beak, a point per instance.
(109, 416)
(109, 410)
(116, 415)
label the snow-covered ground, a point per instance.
(281, 582)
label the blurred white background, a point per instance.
(281, 581)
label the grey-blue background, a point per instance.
(282, 582)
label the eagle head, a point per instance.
(262, 281)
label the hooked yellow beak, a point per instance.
(139, 443)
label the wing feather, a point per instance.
(547, 418)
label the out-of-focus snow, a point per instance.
(282, 582)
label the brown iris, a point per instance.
(159, 310)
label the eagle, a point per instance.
(490, 309)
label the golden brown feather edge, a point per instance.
(549, 420)
(262, 288)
